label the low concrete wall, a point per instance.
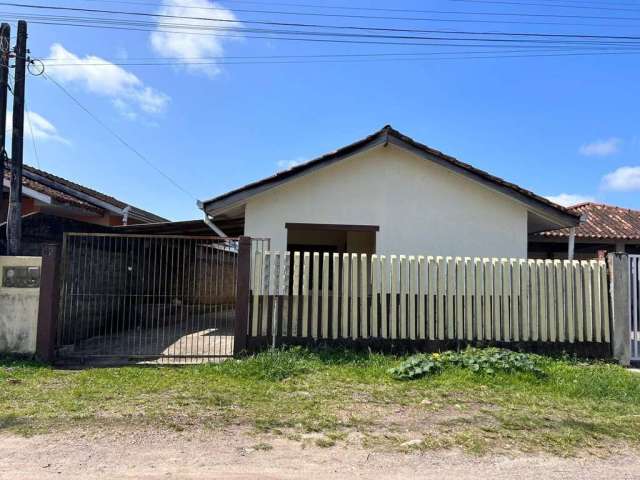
(18, 310)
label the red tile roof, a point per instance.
(603, 222)
(68, 199)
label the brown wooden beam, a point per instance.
(332, 226)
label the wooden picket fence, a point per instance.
(355, 296)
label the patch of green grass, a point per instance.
(575, 406)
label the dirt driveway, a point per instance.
(233, 454)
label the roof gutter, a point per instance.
(209, 222)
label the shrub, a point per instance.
(480, 360)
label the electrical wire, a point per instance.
(307, 25)
(118, 137)
(386, 17)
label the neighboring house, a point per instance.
(604, 228)
(52, 205)
(389, 194)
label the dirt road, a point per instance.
(236, 455)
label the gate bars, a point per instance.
(158, 298)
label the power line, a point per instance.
(386, 17)
(118, 137)
(512, 38)
(307, 25)
(342, 7)
(537, 4)
(270, 35)
(461, 55)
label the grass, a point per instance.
(335, 397)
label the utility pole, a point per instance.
(14, 217)
(5, 50)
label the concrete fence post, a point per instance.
(242, 296)
(48, 306)
(619, 278)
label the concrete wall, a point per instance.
(18, 311)
(420, 207)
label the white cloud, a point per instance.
(289, 164)
(623, 179)
(569, 199)
(101, 77)
(179, 45)
(42, 128)
(601, 148)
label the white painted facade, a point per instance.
(422, 208)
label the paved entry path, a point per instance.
(236, 455)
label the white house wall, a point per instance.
(420, 207)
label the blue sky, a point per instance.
(555, 125)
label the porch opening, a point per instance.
(331, 238)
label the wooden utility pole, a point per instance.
(14, 217)
(5, 50)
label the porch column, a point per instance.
(572, 243)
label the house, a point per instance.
(389, 194)
(604, 228)
(52, 205)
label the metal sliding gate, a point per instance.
(634, 305)
(147, 298)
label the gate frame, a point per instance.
(243, 294)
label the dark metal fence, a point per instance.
(147, 298)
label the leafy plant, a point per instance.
(480, 360)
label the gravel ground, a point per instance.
(235, 454)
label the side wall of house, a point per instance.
(420, 207)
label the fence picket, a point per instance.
(579, 318)
(588, 301)
(440, 297)
(570, 301)
(266, 282)
(256, 290)
(525, 304)
(605, 304)
(393, 321)
(354, 296)
(478, 292)
(469, 282)
(413, 283)
(459, 299)
(432, 303)
(335, 296)
(344, 317)
(422, 297)
(295, 299)
(275, 310)
(489, 299)
(284, 291)
(315, 301)
(364, 293)
(324, 332)
(597, 300)
(375, 286)
(497, 299)
(506, 300)
(305, 294)
(404, 292)
(450, 297)
(560, 302)
(384, 290)
(516, 316)
(534, 299)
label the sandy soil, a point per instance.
(144, 454)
